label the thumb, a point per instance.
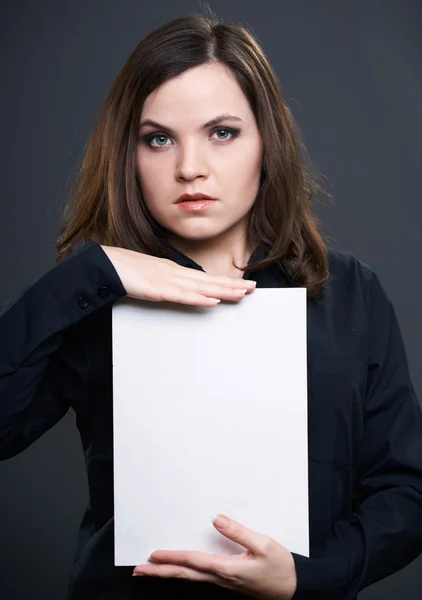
(253, 541)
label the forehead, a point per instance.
(198, 93)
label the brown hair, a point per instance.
(106, 204)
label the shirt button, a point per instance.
(83, 302)
(103, 292)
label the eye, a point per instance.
(232, 133)
(149, 139)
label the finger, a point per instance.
(216, 279)
(228, 569)
(215, 291)
(225, 568)
(180, 296)
(256, 542)
(212, 290)
(174, 571)
(200, 561)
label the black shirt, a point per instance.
(365, 423)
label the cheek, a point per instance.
(152, 182)
(247, 174)
(147, 169)
(247, 163)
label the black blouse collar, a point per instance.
(184, 261)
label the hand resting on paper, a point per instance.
(266, 570)
(146, 277)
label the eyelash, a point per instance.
(233, 132)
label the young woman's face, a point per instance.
(182, 155)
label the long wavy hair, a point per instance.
(105, 203)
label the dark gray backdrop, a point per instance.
(351, 73)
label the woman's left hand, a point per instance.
(266, 570)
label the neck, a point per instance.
(216, 255)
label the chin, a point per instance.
(198, 232)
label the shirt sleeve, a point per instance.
(42, 365)
(384, 533)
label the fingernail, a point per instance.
(220, 521)
(238, 291)
(137, 574)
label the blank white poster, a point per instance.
(210, 416)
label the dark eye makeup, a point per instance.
(147, 139)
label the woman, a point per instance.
(197, 110)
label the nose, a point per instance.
(191, 162)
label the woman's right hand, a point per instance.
(147, 277)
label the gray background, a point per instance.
(351, 73)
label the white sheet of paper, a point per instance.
(210, 415)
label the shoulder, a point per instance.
(346, 268)
(353, 284)
(350, 281)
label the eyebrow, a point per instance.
(218, 119)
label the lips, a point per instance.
(193, 197)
